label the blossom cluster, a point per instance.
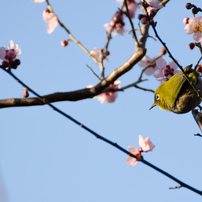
(98, 54)
(194, 25)
(9, 56)
(160, 69)
(151, 6)
(116, 25)
(145, 146)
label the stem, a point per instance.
(72, 37)
(131, 23)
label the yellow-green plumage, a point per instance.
(177, 95)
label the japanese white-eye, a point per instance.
(177, 95)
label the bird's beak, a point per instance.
(152, 106)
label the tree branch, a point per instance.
(85, 93)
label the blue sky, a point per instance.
(45, 157)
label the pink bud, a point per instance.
(64, 42)
(186, 20)
(25, 94)
(163, 50)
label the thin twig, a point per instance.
(94, 72)
(131, 23)
(198, 63)
(72, 37)
(145, 89)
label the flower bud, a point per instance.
(25, 94)
(140, 16)
(186, 20)
(163, 50)
(144, 20)
(189, 6)
(64, 42)
(15, 64)
(191, 46)
(4, 64)
(151, 21)
(195, 10)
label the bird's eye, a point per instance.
(157, 97)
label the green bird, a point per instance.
(177, 95)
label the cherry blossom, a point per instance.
(154, 3)
(116, 25)
(131, 160)
(145, 144)
(194, 26)
(118, 29)
(97, 53)
(144, 62)
(51, 19)
(164, 72)
(132, 7)
(109, 96)
(9, 55)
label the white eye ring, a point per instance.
(157, 97)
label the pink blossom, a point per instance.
(118, 29)
(145, 144)
(154, 3)
(144, 62)
(51, 19)
(97, 53)
(131, 160)
(38, 1)
(109, 96)
(194, 26)
(132, 7)
(10, 54)
(116, 24)
(164, 71)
